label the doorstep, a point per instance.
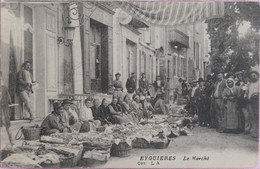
(26, 122)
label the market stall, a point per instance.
(84, 149)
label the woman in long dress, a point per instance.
(232, 119)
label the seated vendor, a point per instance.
(138, 108)
(53, 123)
(116, 115)
(95, 109)
(87, 119)
(72, 114)
(129, 109)
(103, 113)
(148, 108)
(125, 109)
(160, 107)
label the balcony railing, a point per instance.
(178, 38)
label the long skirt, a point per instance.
(232, 117)
(89, 126)
(118, 119)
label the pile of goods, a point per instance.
(85, 149)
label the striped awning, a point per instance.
(167, 13)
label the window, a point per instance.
(181, 65)
(196, 54)
(130, 62)
(168, 66)
(157, 67)
(144, 63)
(174, 65)
(185, 67)
(140, 61)
(151, 69)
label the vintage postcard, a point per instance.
(130, 84)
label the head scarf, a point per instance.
(230, 88)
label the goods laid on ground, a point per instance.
(96, 147)
(94, 156)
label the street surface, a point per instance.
(218, 150)
(221, 150)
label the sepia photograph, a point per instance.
(130, 84)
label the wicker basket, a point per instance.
(31, 133)
(121, 150)
(160, 145)
(89, 147)
(140, 143)
(50, 165)
(69, 159)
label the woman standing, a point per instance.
(232, 120)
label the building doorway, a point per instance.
(98, 57)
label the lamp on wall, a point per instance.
(69, 35)
(73, 17)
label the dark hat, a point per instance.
(66, 101)
(254, 71)
(209, 77)
(239, 72)
(57, 105)
(220, 72)
(230, 74)
(180, 79)
(200, 79)
(118, 74)
(90, 98)
(142, 74)
(132, 73)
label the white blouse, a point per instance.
(86, 114)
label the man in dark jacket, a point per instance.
(143, 84)
(53, 123)
(131, 85)
(217, 109)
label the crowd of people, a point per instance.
(228, 103)
(131, 106)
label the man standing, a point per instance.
(253, 97)
(193, 95)
(209, 87)
(143, 84)
(241, 101)
(24, 87)
(239, 75)
(131, 85)
(178, 90)
(218, 102)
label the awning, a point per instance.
(167, 13)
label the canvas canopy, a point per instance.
(168, 13)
